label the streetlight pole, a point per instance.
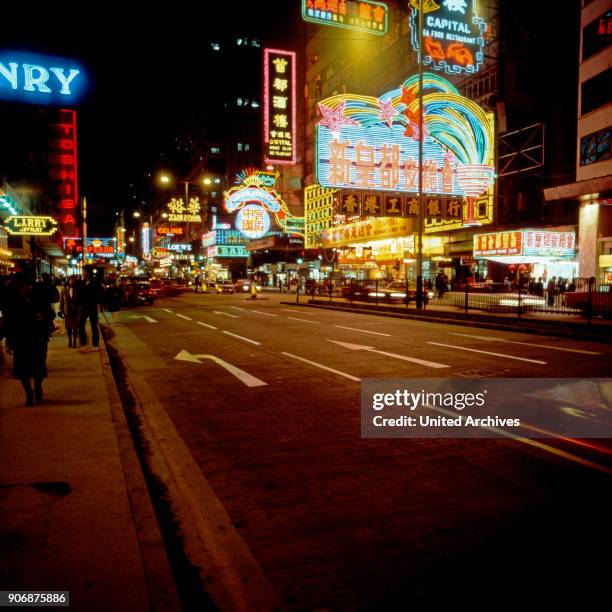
(419, 287)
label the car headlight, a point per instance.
(376, 294)
(430, 294)
(398, 295)
(245, 288)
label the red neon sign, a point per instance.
(64, 171)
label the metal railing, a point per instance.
(578, 297)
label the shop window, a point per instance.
(597, 92)
(597, 35)
(595, 147)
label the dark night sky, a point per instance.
(147, 72)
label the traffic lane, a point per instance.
(336, 520)
(466, 356)
(372, 326)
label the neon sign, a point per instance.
(279, 108)
(253, 221)
(40, 79)
(453, 35)
(145, 240)
(181, 213)
(30, 225)
(63, 170)
(369, 143)
(361, 15)
(539, 243)
(252, 192)
(95, 247)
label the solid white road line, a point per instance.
(303, 311)
(303, 320)
(471, 350)
(184, 317)
(545, 447)
(322, 367)
(205, 325)
(241, 338)
(267, 314)
(364, 331)
(237, 308)
(547, 346)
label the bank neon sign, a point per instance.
(40, 79)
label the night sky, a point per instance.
(148, 78)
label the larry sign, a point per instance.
(40, 79)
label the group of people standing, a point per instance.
(29, 310)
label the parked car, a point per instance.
(139, 292)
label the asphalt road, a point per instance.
(340, 522)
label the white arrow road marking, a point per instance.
(147, 319)
(311, 314)
(371, 349)
(268, 314)
(246, 378)
(303, 320)
(363, 331)
(241, 337)
(546, 346)
(322, 367)
(184, 317)
(205, 325)
(463, 348)
(226, 314)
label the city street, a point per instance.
(267, 401)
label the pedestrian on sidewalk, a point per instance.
(70, 311)
(29, 324)
(551, 290)
(90, 294)
(112, 299)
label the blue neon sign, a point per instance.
(41, 79)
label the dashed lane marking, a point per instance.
(242, 338)
(267, 314)
(471, 350)
(363, 331)
(303, 320)
(206, 325)
(184, 317)
(322, 367)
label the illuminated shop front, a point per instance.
(540, 253)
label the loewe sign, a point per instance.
(40, 79)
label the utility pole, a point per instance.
(419, 280)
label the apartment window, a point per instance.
(215, 150)
(247, 146)
(595, 147)
(597, 35)
(239, 146)
(597, 91)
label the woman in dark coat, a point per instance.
(70, 311)
(29, 323)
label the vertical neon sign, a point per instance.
(64, 170)
(279, 106)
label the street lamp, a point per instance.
(136, 214)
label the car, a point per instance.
(371, 292)
(168, 287)
(224, 287)
(525, 301)
(139, 292)
(243, 285)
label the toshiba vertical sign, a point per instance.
(64, 170)
(279, 106)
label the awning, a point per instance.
(573, 191)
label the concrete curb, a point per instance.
(217, 557)
(158, 575)
(473, 321)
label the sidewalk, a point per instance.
(72, 499)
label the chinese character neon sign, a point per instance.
(252, 191)
(40, 79)
(453, 35)
(361, 15)
(369, 143)
(253, 220)
(182, 213)
(279, 106)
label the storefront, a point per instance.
(542, 254)
(225, 254)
